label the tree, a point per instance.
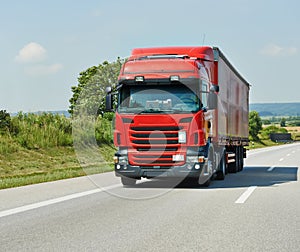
(5, 122)
(255, 125)
(89, 93)
(266, 122)
(283, 122)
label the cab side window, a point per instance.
(204, 93)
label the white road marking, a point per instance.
(288, 155)
(242, 199)
(53, 201)
(271, 168)
(281, 159)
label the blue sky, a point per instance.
(45, 44)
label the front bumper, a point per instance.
(137, 172)
(191, 169)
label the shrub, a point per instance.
(8, 145)
(265, 133)
(34, 131)
(103, 131)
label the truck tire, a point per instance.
(207, 183)
(221, 172)
(128, 181)
(234, 166)
(241, 158)
(211, 164)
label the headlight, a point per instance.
(192, 159)
(195, 159)
(123, 160)
(181, 137)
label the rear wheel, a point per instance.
(233, 167)
(241, 158)
(128, 181)
(221, 172)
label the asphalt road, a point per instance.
(257, 209)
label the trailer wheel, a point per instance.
(234, 166)
(221, 172)
(241, 158)
(128, 181)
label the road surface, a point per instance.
(257, 209)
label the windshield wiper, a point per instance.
(152, 111)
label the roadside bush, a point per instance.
(8, 145)
(41, 131)
(104, 130)
(265, 132)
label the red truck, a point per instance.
(182, 112)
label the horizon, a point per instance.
(62, 111)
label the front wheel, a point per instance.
(128, 181)
(209, 169)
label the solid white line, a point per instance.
(242, 199)
(53, 201)
(271, 168)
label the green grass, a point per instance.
(262, 144)
(41, 177)
(39, 148)
(25, 167)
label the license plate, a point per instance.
(178, 157)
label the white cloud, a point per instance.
(276, 50)
(31, 53)
(38, 70)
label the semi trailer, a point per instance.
(181, 112)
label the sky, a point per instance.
(44, 45)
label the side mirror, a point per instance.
(108, 100)
(215, 88)
(212, 100)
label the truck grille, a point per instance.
(154, 146)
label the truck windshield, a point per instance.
(158, 99)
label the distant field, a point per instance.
(295, 131)
(292, 129)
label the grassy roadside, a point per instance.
(23, 167)
(37, 148)
(264, 140)
(262, 144)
